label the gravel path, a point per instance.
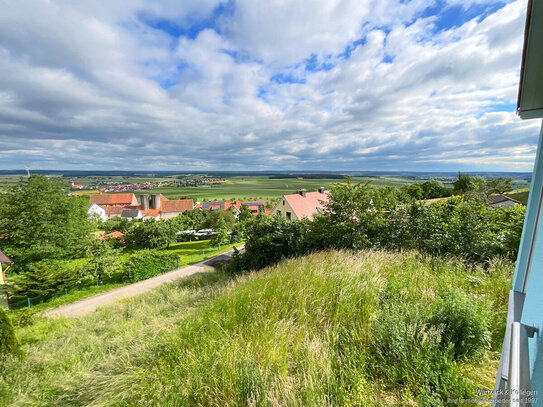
(88, 305)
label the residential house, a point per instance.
(520, 372)
(302, 204)
(502, 201)
(255, 207)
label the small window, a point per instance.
(279, 213)
(289, 215)
(283, 202)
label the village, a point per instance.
(107, 186)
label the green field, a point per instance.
(247, 187)
(261, 187)
(329, 329)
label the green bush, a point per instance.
(46, 278)
(24, 317)
(406, 350)
(270, 239)
(9, 344)
(149, 263)
(464, 324)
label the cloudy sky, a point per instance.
(258, 84)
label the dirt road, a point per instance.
(88, 305)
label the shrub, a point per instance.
(9, 344)
(149, 263)
(464, 324)
(406, 350)
(24, 317)
(46, 278)
(270, 240)
(152, 234)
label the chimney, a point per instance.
(144, 202)
(321, 190)
(302, 192)
(155, 201)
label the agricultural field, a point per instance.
(246, 187)
(257, 187)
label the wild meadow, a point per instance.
(333, 328)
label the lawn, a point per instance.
(329, 329)
(190, 252)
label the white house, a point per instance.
(96, 211)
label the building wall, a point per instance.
(528, 276)
(98, 211)
(281, 208)
(170, 215)
(504, 204)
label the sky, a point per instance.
(343, 85)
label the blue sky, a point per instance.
(258, 85)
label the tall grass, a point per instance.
(329, 329)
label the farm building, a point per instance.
(302, 204)
(131, 214)
(155, 206)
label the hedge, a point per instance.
(149, 263)
(9, 344)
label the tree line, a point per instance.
(360, 216)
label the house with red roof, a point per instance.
(302, 204)
(255, 207)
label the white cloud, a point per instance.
(80, 87)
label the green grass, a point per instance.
(520, 195)
(190, 252)
(329, 329)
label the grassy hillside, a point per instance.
(328, 329)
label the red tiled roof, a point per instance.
(177, 205)
(115, 234)
(308, 206)
(112, 199)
